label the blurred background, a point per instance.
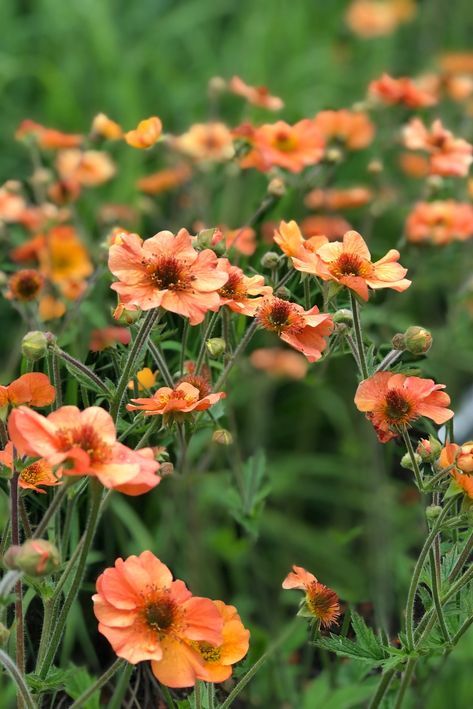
(326, 495)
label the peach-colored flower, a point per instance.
(33, 389)
(456, 62)
(414, 165)
(349, 263)
(164, 180)
(460, 456)
(50, 308)
(290, 240)
(292, 147)
(146, 615)
(332, 226)
(393, 401)
(25, 285)
(184, 399)
(107, 337)
(33, 476)
(350, 198)
(63, 257)
(104, 127)
(304, 330)
(12, 205)
(449, 156)
(89, 168)
(320, 601)
(257, 95)
(242, 294)
(147, 133)
(279, 362)
(47, 138)
(352, 129)
(242, 240)
(86, 441)
(146, 379)
(440, 222)
(402, 90)
(206, 142)
(166, 271)
(378, 18)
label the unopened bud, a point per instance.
(34, 345)
(9, 558)
(344, 315)
(433, 511)
(166, 469)
(204, 239)
(375, 167)
(334, 155)
(283, 293)
(4, 634)
(36, 557)
(217, 85)
(407, 463)
(398, 342)
(417, 340)
(223, 437)
(277, 187)
(429, 449)
(435, 182)
(216, 346)
(270, 259)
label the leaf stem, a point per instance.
(17, 677)
(99, 683)
(358, 335)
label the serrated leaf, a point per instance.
(365, 637)
(77, 682)
(56, 679)
(343, 647)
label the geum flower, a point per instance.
(147, 133)
(349, 263)
(320, 602)
(166, 271)
(47, 138)
(392, 402)
(146, 615)
(256, 95)
(460, 459)
(304, 330)
(353, 130)
(440, 222)
(184, 399)
(449, 156)
(242, 294)
(34, 475)
(84, 443)
(292, 243)
(402, 91)
(33, 389)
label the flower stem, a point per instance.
(463, 558)
(160, 362)
(197, 696)
(434, 570)
(205, 336)
(83, 369)
(241, 347)
(51, 511)
(99, 683)
(17, 677)
(383, 687)
(390, 359)
(56, 377)
(15, 540)
(415, 467)
(405, 682)
(358, 335)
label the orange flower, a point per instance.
(279, 362)
(280, 144)
(338, 199)
(89, 168)
(33, 388)
(50, 308)
(86, 440)
(375, 18)
(166, 271)
(146, 134)
(303, 330)
(242, 240)
(145, 615)
(457, 62)
(104, 127)
(25, 285)
(145, 378)
(108, 337)
(238, 291)
(257, 95)
(320, 601)
(206, 142)
(32, 476)
(353, 129)
(63, 257)
(332, 226)
(289, 238)
(440, 222)
(349, 263)
(12, 205)
(164, 180)
(460, 456)
(449, 156)
(414, 165)
(393, 401)
(400, 91)
(47, 138)
(184, 399)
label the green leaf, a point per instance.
(56, 679)
(82, 378)
(366, 638)
(78, 681)
(343, 647)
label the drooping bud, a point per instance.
(277, 187)
(398, 342)
(36, 557)
(34, 345)
(417, 340)
(270, 259)
(429, 449)
(406, 461)
(216, 346)
(344, 315)
(166, 469)
(432, 512)
(223, 437)
(283, 293)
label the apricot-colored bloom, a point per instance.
(400, 91)
(338, 199)
(166, 271)
(104, 127)
(146, 379)
(460, 459)
(164, 180)
(414, 165)
(33, 476)
(86, 441)
(349, 263)
(331, 225)
(440, 222)
(147, 133)
(63, 257)
(50, 308)
(47, 138)
(377, 18)
(280, 144)
(242, 294)
(12, 205)
(107, 337)
(145, 615)
(257, 95)
(89, 168)
(320, 601)
(242, 240)
(352, 129)
(33, 389)
(393, 401)
(25, 285)
(206, 142)
(279, 362)
(290, 240)
(301, 329)
(449, 156)
(184, 399)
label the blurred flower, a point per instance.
(330, 225)
(304, 330)
(63, 257)
(104, 127)
(25, 285)
(155, 618)
(146, 134)
(166, 271)
(206, 142)
(47, 138)
(86, 440)
(400, 91)
(12, 205)
(349, 264)
(184, 399)
(456, 62)
(394, 401)
(145, 378)
(378, 18)
(32, 476)
(449, 156)
(164, 180)
(352, 129)
(414, 165)
(89, 168)
(113, 213)
(33, 388)
(338, 199)
(64, 191)
(242, 240)
(440, 222)
(290, 240)
(320, 601)
(257, 95)
(460, 456)
(279, 362)
(107, 337)
(50, 308)
(242, 294)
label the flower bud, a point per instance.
(34, 345)
(406, 461)
(398, 342)
(166, 469)
(4, 634)
(375, 167)
(216, 346)
(433, 511)
(270, 259)
(277, 187)
(344, 315)
(217, 85)
(283, 293)
(334, 155)
(36, 557)
(9, 558)
(429, 449)
(223, 437)
(204, 239)
(435, 182)
(417, 340)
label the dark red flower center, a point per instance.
(234, 287)
(161, 614)
(398, 409)
(349, 264)
(86, 438)
(167, 273)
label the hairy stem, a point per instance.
(358, 335)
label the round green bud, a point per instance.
(34, 345)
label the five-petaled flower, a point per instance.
(184, 399)
(320, 602)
